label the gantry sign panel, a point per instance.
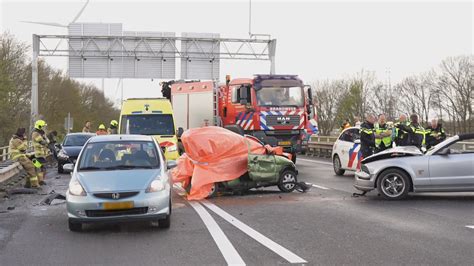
(200, 57)
(113, 55)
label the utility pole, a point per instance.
(34, 82)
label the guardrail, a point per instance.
(4, 153)
(320, 146)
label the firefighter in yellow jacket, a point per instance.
(18, 146)
(40, 145)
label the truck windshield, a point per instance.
(148, 124)
(280, 96)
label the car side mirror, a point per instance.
(357, 141)
(444, 151)
(68, 167)
(179, 132)
(171, 164)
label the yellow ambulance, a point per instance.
(153, 117)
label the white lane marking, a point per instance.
(321, 187)
(313, 161)
(470, 226)
(230, 254)
(273, 246)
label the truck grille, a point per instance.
(122, 195)
(109, 213)
(283, 120)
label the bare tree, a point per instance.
(327, 99)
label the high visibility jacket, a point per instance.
(40, 143)
(401, 135)
(367, 139)
(417, 135)
(17, 147)
(387, 141)
(433, 136)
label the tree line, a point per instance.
(445, 92)
(58, 94)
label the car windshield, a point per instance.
(119, 155)
(148, 124)
(76, 140)
(441, 144)
(280, 96)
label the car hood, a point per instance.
(401, 151)
(118, 180)
(72, 150)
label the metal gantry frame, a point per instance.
(229, 48)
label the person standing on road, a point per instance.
(40, 145)
(53, 139)
(416, 133)
(101, 130)
(401, 136)
(87, 127)
(367, 136)
(383, 135)
(434, 134)
(18, 146)
(113, 129)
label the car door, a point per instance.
(261, 167)
(348, 149)
(453, 171)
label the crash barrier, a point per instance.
(8, 169)
(320, 146)
(4, 153)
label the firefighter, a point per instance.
(113, 129)
(40, 146)
(434, 134)
(101, 130)
(401, 136)
(383, 135)
(367, 136)
(18, 146)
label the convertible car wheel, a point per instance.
(393, 184)
(287, 182)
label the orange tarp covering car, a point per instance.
(214, 154)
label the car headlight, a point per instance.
(172, 148)
(76, 189)
(63, 154)
(155, 186)
(365, 169)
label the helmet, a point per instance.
(101, 126)
(114, 123)
(40, 124)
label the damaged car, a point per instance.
(446, 167)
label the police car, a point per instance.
(346, 154)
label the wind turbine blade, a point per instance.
(80, 12)
(54, 24)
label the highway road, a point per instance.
(265, 227)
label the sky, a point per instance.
(315, 39)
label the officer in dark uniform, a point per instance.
(434, 134)
(367, 136)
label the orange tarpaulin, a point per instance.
(214, 154)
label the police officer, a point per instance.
(40, 146)
(434, 134)
(416, 133)
(113, 129)
(18, 146)
(383, 135)
(401, 136)
(367, 136)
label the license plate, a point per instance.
(284, 143)
(118, 205)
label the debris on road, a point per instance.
(49, 199)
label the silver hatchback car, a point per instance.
(447, 167)
(119, 178)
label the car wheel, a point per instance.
(75, 226)
(214, 191)
(393, 184)
(60, 169)
(287, 181)
(336, 164)
(165, 223)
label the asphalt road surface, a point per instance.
(265, 227)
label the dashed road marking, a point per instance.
(270, 244)
(230, 254)
(314, 161)
(470, 226)
(321, 187)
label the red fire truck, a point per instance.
(273, 108)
